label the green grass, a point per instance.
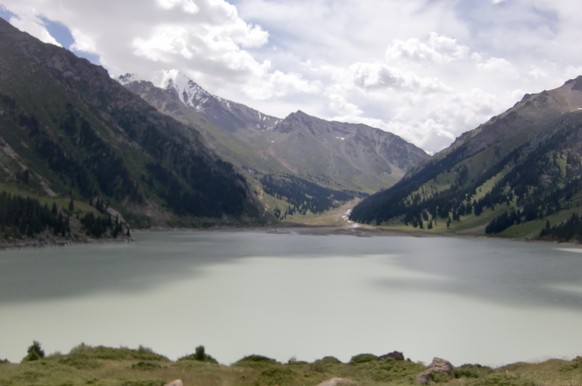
(105, 366)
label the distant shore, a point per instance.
(356, 230)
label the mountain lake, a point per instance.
(290, 295)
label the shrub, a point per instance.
(143, 365)
(256, 359)
(471, 371)
(363, 358)
(199, 355)
(34, 352)
(321, 365)
(277, 376)
(108, 353)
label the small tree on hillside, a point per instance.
(34, 352)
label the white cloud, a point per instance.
(164, 43)
(277, 84)
(33, 25)
(374, 76)
(438, 48)
(426, 70)
(187, 5)
(498, 65)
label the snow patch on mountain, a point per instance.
(189, 92)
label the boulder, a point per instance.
(437, 366)
(396, 355)
(337, 382)
(176, 382)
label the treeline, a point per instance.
(99, 226)
(25, 217)
(303, 196)
(570, 230)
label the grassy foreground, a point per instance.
(86, 365)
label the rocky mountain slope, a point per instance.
(348, 155)
(296, 159)
(69, 132)
(516, 175)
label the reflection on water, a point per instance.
(287, 295)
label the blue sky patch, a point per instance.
(5, 14)
(63, 35)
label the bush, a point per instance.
(471, 371)
(108, 353)
(146, 366)
(503, 379)
(322, 365)
(277, 376)
(256, 359)
(34, 352)
(363, 358)
(199, 355)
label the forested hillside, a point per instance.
(516, 175)
(68, 131)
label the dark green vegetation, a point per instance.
(518, 175)
(302, 164)
(303, 196)
(26, 217)
(69, 132)
(105, 366)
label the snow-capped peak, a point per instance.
(190, 93)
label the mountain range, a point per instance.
(300, 159)
(83, 155)
(519, 174)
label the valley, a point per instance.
(103, 161)
(179, 217)
(104, 156)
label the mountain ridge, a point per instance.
(521, 167)
(297, 144)
(76, 134)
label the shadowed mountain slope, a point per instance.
(67, 130)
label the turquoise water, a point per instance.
(291, 295)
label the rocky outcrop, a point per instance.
(437, 367)
(396, 355)
(177, 382)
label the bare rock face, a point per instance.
(396, 355)
(437, 366)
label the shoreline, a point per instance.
(281, 228)
(60, 242)
(360, 231)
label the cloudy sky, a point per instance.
(426, 70)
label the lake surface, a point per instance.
(292, 295)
